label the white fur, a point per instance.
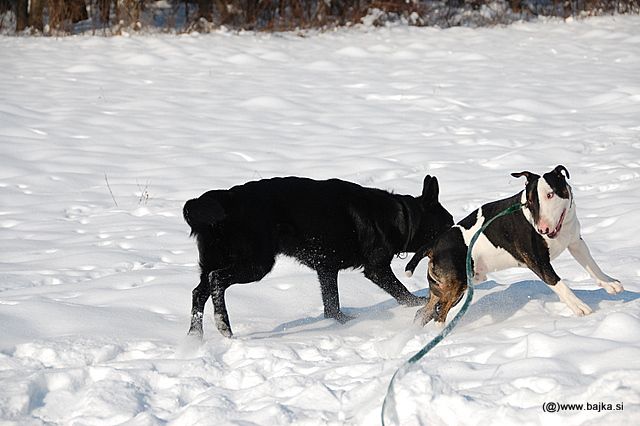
(581, 253)
(570, 299)
(551, 209)
(569, 233)
(486, 257)
(489, 258)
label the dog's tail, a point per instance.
(202, 213)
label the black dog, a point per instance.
(326, 225)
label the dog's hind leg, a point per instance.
(329, 288)
(200, 295)
(383, 277)
(219, 284)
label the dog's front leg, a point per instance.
(428, 311)
(570, 299)
(545, 271)
(420, 254)
(383, 277)
(581, 253)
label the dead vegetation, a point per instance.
(60, 17)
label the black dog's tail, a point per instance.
(201, 213)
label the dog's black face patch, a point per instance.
(557, 182)
(533, 201)
(531, 191)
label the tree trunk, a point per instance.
(76, 11)
(105, 10)
(223, 11)
(56, 14)
(205, 9)
(22, 14)
(35, 15)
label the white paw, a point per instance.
(611, 287)
(579, 307)
(479, 278)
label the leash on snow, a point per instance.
(389, 398)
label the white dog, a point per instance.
(532, 237)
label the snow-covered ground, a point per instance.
(103, 139)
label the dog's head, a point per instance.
(435, 218)
(549, 199)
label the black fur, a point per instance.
(533, 203)
(516, 235)
(557, 181)
(327, 225)
(513, 233)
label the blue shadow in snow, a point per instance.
(501, 305)
(380, 310)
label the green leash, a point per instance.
(402, 370)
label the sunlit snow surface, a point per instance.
(95, 297)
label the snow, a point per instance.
(95, 297)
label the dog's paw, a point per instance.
(223, 326)
(195, 333)
(340, 317)
(611, 287)
(344, 318)
(226, 332)
(579, 308)
(195, 330)
(423, 316)
(479, 277)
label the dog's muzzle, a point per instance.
(556, 230)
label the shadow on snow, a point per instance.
(500, 305)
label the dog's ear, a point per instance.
(530, 176)
(430, 189)
(559, 169)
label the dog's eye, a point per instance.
(549, 195)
